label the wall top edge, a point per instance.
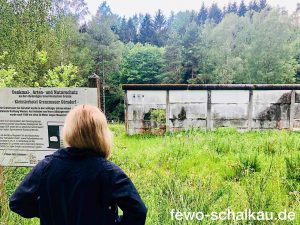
(211, 86)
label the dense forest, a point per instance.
(45, 43)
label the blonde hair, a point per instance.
(86, 127)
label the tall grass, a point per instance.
(204, 171)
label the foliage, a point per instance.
(63, 76)
(215, 13)
(39, 36)
(173, 60)
(143, 64)
(241, 43)
(161, 29)
(75, 8)
(158, 116)
(293, 168)
(147, 32)
(106, 54)
(252, 49)
(202, 15)
(6, 72)
(242, 9)
(6, 77)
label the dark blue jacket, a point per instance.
(78, 187)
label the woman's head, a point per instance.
(86, 127)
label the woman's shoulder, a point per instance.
(79, 154)
(109, 165)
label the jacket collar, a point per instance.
(72, 152)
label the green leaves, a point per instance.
(6, 77)
(42, 56)
(63, 76)
(256, 48)
(6, 72)
(40, 36)
(45, 45)
(143, 64)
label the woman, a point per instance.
(77, 185)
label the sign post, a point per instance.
(94, 82)
(1, 185)
(31, 121)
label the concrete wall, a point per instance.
(157, 111)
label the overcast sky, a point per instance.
(130, 7)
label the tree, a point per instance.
(221, 61)
(104, 10)
(123, 31)
(298, 8)
(215, 13)
(170, 19)
(7, 72)
(63, 76)
(202, 15)
(231, 8)
(67, 44)
(180, 22)
(254, 6)
(242, 9)
(262, 4)
(37, 40)
(76, 8)
(190, 53)
(107, 50)
(173, 60)
(147, 32)
(252, 49)
(160, 27)
(41, 45)
(24, 27)
(143, 64)
(270, 58)
(227, 9)
(132, 30)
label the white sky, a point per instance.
(130, 7)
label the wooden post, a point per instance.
(126, 112)
(250, 109)
(1, 186)
(208, 116)
(292, 109)
(94, 81)
(167, 110)
(104, 97)
(103, 85)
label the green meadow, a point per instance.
(196, 170)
